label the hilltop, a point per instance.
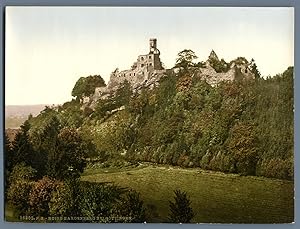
(214, 115)
(148, 69)
(175, 124)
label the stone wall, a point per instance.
(235, 72)
(147, 70)
(140, 71)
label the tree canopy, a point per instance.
(85, 86)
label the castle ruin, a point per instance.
(147, 70)
(142, 70)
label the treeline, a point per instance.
(43, 165)
(42, 178)
(241, 127)
(244, 127)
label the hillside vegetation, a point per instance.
(242, 127)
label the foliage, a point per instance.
(40, 196)
(85, 86)
(254, 69)
(21, 172)
(185, 59)
(219, 65)
(18, 195)
(22, 149)
(20, 184)
(239, 61)
(180, 210)
(62, 199)
(123, 94)
(243, 146)
(132, 206)
(67, 160)
(71, 115)
(98, 200)
(237, 126)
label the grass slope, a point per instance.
(216, 197)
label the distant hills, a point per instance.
(15, 115)
(23, 110)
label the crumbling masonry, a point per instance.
(148, 69)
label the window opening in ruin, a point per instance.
(142, 65)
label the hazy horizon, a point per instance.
(49, 48)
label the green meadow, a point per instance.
(216, 197)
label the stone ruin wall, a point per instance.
(141, 71)
(213, 78)
(235, 72)
(147, 71)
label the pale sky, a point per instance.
(49, 48)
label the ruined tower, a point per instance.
(153, 46)
(142, 70)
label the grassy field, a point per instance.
(216, 197)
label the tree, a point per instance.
(242, 143)
(98, 200)
(22, 149)
(123, 94)
(185, 59)
(47, 146)
(132, 206)
(239, 61)
(254, 69)
(181, 212)
(67, 159)
(85, 86)
(219, 65)
(8, 156)
(7, 160)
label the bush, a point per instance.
(61, 201)
(40, 196)
(132, 207)
(18, 196)
(98, 200)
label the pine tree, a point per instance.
(181, 212)
(22, 150)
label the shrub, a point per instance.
(40, 196)
(61, 201)
(132, 207)
(18, 196)
(98, 200)
(21, 172)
